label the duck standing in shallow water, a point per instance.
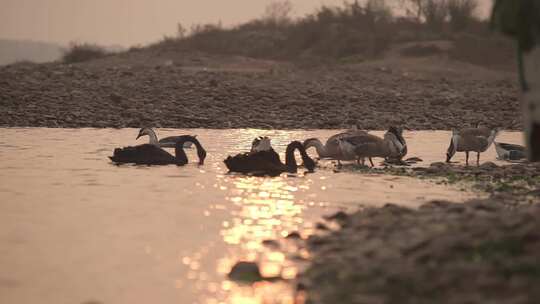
(149, 154)
(470, 140)
(331, 148)
(267, 162)
(393, 145)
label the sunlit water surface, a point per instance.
(74, 228)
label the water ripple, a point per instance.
(174, 232)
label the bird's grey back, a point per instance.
(170, 142)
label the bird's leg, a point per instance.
(363, 161)
(358, 160)
(466, 158)
(371, 161)
(478, 158)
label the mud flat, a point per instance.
(476, 252)
(202, 91)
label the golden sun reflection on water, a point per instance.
(268, 209)
(174, 233)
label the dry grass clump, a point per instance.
(330, 32)
(421, 50)
(461, 13)
(353, 32)
(490, 50)
(83, 52)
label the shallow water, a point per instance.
(75, 228)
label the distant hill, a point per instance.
(16, 50)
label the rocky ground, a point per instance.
(160, 89)
(480, 251)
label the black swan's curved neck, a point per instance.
(290, 161)
(181, 156)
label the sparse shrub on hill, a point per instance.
(330, 32)
(181, 31)
(435, 13)
(342, 32)
(461, 13)
(83, 52)
(135, 48)
(278, 12)
(355, 31)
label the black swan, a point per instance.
(267, 162)
(148, 154)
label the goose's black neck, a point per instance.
(290, 161)
(181, 156)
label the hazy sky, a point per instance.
(125, 22)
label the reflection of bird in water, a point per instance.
(367, 145)
(470, 140)
(149, 154)
(331, 148)
(267, 162)
(166, 142)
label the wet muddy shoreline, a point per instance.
(476, 251)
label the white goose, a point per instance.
(331, 148)
(261, 143)
(167, 142)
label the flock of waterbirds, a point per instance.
(350, 145)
